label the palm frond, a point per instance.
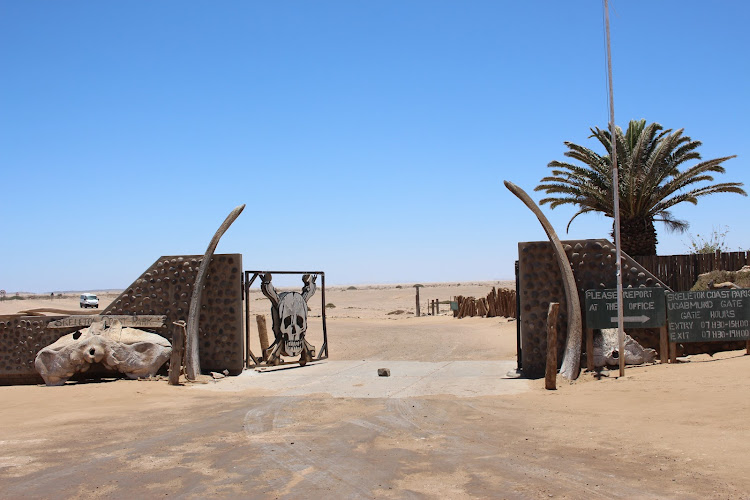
(673, 225)
(581, 211)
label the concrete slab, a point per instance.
(359, 379)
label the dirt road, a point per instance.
(146, 439)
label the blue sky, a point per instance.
(368, 139)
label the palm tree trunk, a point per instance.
(638, 236)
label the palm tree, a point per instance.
(651, 182)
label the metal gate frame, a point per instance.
(247, 283)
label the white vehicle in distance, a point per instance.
(89, 300)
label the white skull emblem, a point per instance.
(293, 317)
(289, 313)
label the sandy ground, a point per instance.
(662, 431)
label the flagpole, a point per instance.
(616, 195)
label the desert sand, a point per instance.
(662, 431)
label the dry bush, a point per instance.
(739, 278)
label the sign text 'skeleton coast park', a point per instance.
(709, 315)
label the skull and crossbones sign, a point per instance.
(289, 313)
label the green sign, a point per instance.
(709, 316)
(642, 308)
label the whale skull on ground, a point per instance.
(136, 353)
(606, 350)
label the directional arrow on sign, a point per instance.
(643, 307)
(631, 319)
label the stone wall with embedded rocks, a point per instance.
(164, 288)
(540, 282)
(21, 337)
(593, 264)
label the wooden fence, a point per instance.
(680, 272)
(501, 302)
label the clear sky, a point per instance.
(369, 139)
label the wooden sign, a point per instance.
(143, 321)
(642, 308)
(708, 316)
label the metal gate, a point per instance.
(249, 279)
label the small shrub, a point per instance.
(330, 305)
(709, 244)
(352, 288)
(398, 311)
(399, 286)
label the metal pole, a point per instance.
(324, 348)
(616, 195)
(245, 290)
(247, 285)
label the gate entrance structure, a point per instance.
(540, 282)
(289, 319)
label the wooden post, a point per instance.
(437, 306)
(747, 347)
(550, 378)
(417, 287)
(178, 349)
(481, 307)
(663, 344)
(260, 319)
(672, 352)
(590, 349)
